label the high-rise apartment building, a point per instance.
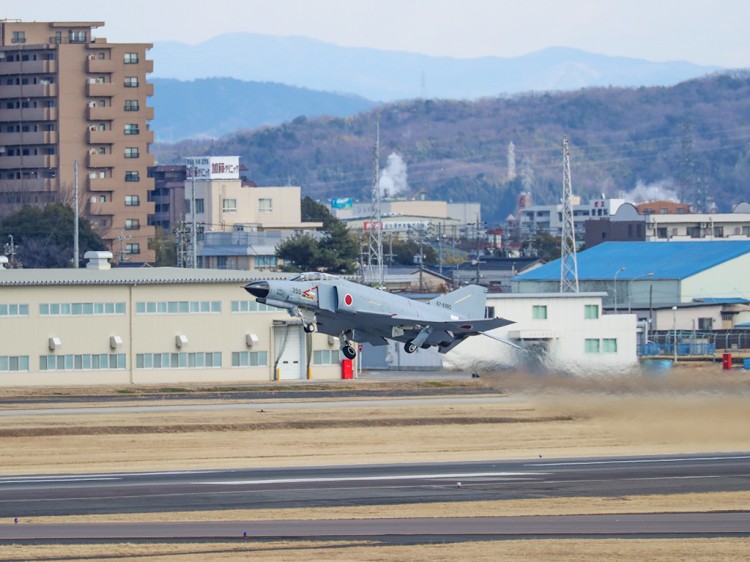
(67, 97)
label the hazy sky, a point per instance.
(710, 32)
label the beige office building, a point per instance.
(148, 325)
(67, 97)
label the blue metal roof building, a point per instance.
(653, 273)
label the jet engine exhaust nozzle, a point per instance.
(258, 289)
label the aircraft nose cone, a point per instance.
(258, 289)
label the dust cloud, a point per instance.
(692, 408)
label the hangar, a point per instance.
(100, 325)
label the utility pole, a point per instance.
(375, 269)
(568, 260)
(75, 217)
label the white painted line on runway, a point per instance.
(374, 478)
(636, 461)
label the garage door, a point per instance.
(289, 348)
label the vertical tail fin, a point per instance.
(468, 301)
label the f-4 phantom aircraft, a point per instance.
(357, 313)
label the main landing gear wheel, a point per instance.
(310, 328)
(349, 351)
(409, 347)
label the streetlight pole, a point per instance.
(615, 284)
(630, 287)
(674, 333)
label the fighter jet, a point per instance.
(357, 313)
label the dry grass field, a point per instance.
(690, 409)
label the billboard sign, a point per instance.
(213, 167)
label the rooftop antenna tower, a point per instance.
(568, 261)
(375, 272)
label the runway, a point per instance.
(153, 492)
(400, 530)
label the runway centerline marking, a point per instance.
(374, 478)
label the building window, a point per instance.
(718, 232)
(132, 152)
(131, 58)
(132, 224)
(132, 176)
(694, 231)
(82, 362)
(539, 312)
(81, 308)
(592, 345)
(609, 345)
(182, 360)
(18, 37)
(265, 205)
(591, 311)
(265, 261)
(77, 36)
(14, 309)
(131, 129)
(131, 105)
(132, 200)
(252, 306)
(14, 363)
(133, 248)
(131, 81)
(229, 206)
(249, 358)
(325, 357)
(178, 307)
(706, 324)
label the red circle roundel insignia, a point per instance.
(466, 326)
(348, 300)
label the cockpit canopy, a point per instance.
(314, 276)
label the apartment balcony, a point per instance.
(36, 137)
(30, 161)
(101, 137)
(30, 91)
(97, 113)
(101, 160)
(101, 66)
(110, 208)
(28, 67)
(149, 88)
(148, 112)
(28, 185)
(103, 184)
(29, 114)
(101, 89)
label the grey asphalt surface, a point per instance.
(397, 530)
(276, 488)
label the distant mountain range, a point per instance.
(389, 75)
(692, 138)
(212, 107)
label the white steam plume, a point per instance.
(642, 193)
(393, 177)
